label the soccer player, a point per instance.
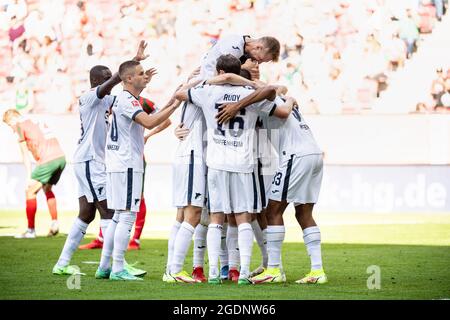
(231, 182)
(149, 107)
(89, 159)
(36, 138)
(251, 52)
(243, 47)
(297, 180)
(124, 166)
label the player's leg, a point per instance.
(91, 185)
(85, 217)
(245, 243)
(259, 225)
(219, 204)
(198, 256)
(51, 204)
(97, 243)
(275, 237)
(312, 240)
(135, 243)
(223, 255)
(172, 236)
(213, 240)
(127, 217)
(31, 208)
(183, 240)
(49, 175)
(233, 248)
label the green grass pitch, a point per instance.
(413, 258)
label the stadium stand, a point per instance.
(338, 56)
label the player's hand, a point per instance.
(194, 74)
(181, 132)
(227, 112)
(140, 55)
(252, 67)
(150, 73)
(146, 137)
(291, 100)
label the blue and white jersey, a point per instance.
(231, 146)
(231, 44)
(94, 113)
(291, 136)
(125, 139)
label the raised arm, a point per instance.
(229, 110)
(107, 86)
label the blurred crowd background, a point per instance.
(337, 56)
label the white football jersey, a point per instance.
(231, 44)
(193, 119)
(291, 135)
(231, 146)
(125, 139)
(94, 113)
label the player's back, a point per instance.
(192, 118)
(293, 134)
(230, 44)
(94, 113)
(40, 140)
(125, 138)
(231, 145)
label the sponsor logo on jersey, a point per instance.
(112, 147)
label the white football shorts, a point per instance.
(189, 181)
(124, 190)
(91, 177)
(233, 192)
(298, 180)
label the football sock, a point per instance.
(140, 220)
(31, 206)
(223, 254)
(181, 246)
(275, 238)
(51, 203)
(74, 238)
(121, 238)
(199, 245)
(104, 223)
(245, 240)
(311, 237)
(108, 242)
(173, 235)
(260, 236)
(233, 247)
(213, 240)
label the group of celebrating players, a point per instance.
(244, 154)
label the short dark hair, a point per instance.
(245, 74)
(125, 67)
(272, 46)
(96, 74)
(229, 64)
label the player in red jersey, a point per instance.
(36, 138)
(149, 107)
